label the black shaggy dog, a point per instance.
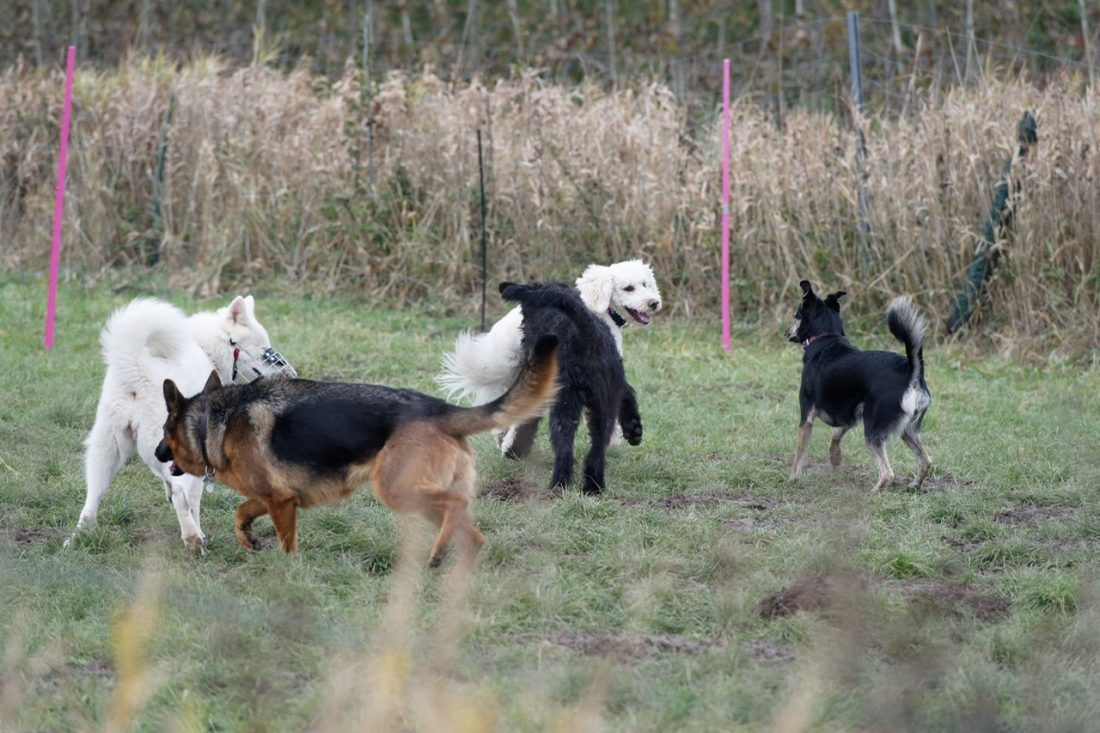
(591, 376)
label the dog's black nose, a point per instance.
(655, 305)
(163, 453)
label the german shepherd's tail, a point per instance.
(530, 395)
(908, 327)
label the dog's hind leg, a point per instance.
(284, 515)
(247, 512)
(519, 440)
(885, 472)
(600, 427)
(450, 511)
(912, 439)
(106, 453)
(564, 419)
(834, 447)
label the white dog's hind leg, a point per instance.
(506, 440)
(104, 457)
(616, 436)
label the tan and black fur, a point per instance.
(289, 444)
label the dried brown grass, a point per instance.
(280, 174)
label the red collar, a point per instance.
(807, 342)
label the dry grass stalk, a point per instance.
(268, 173)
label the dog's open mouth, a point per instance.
(174, 469)
(643, 318)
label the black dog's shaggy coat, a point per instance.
(843, 385)
(591, 375)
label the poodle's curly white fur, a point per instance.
(483, 366)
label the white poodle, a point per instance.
(484, 365)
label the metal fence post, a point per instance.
(855, 64)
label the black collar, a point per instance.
(236, 357)
(619, 320)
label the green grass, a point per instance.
(970, 605)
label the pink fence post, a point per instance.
(726, 205)
(59, 201)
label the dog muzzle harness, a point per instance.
(268, 364)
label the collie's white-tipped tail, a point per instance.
(908, 327)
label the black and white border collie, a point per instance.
(844, 386)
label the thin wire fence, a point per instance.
(373, 186)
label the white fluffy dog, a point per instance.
(145, 343)
(483, 366)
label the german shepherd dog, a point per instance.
(286, 444)
(844, 386)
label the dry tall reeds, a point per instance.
(320, 183)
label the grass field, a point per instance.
(701, 592)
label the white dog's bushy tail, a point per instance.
(483, 366)
(908, 327)
(143, 330)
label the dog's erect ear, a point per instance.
(807, 291)
(241, 309)
(833, 300)
(596, 286)
(173, 400)
(213, 381)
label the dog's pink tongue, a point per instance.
(643, 318)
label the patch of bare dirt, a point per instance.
(150, 536)
(92, 668)
(1032, 516)
(511, 489)
(690, 501)
(624, 646)
(967, 545)
(769, 651)
(25, 536)
(1059, 548)
(941, 483)
(746, 524)
(942, 599)
(815, 593)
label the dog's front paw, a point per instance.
(195, 544)
(632, 431)
(246, 538)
